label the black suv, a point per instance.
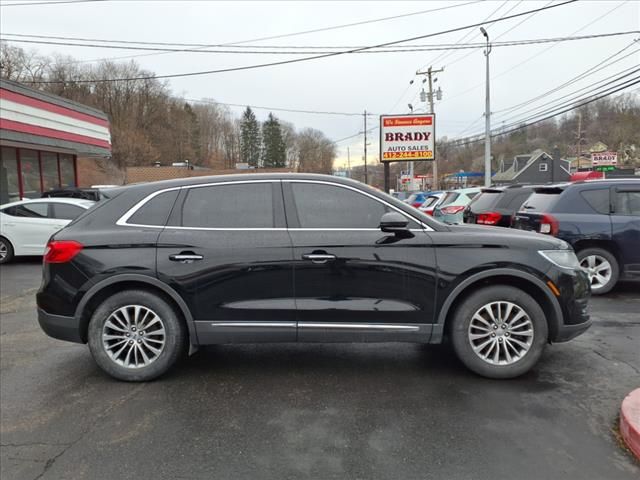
(166, 266)
(600, 219)
(496, 205)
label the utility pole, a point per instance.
(429, 73)
(366, 176)
(487, 118)
(579, 148)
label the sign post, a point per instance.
(406, 138)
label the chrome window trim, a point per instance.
(123, 220)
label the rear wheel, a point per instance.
(602, 268)
(499, 332)
(6, 250)
(136, 336)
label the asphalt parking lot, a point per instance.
(314, 411)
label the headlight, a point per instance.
(561, 258)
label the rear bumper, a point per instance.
(60, 327)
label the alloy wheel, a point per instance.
(3, 250)
(501, 333)
(134, 336)
(599, 270)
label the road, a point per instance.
(314, 411)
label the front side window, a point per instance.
(28, 210)
(247, 205)
(628, 203)
(328, 206)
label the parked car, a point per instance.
(402, 196)
(497, 205)
(95, 193)
(278, 258)
(600, 219)
(25, 226)
(450, 208)
(416, 199)
(430, 202)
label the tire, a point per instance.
(468, 331)
(6, 251)
(596, 261)
(136, 351)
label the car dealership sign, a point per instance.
(603, 159)
(407, 137)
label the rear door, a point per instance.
(29, 225)
(625, 222)
(353, 282)
(226, 251)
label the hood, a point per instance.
(496, 235)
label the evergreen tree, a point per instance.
(250, 138)
(273, 145)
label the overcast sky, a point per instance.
(377, 82)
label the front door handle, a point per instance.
(185, 257)
(319, 257)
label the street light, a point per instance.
(487, 118)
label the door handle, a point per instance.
(185, 257)
(319, 257)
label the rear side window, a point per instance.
(628, 203)
(597, 199)
(541, 202)
(28, 210)
(472, 195)
(229, 206)
(64, 211)
(156, 211)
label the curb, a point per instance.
(630, 421)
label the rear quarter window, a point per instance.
(156, 211)
(598, 199)
(485, 200)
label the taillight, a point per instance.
(61, 251)
(549, 225)
(490, 218)
(452, 210)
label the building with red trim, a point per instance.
(41, 137)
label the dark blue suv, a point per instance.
(600, 219)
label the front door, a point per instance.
(353, 282)
(227, 252)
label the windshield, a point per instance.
(486, 200)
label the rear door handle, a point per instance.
(319, 257)
(185, 257)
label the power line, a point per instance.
(297, 60)
(25, 4)
(278, 109)
(399, 49)
(547, 115)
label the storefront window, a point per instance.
(9, 187)
(67, 172)
(30, 169)
(49, 162)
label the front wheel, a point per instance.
(6, 250)
(499, 332)
(135, 336)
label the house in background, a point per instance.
(537, 167)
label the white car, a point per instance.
(25, 226)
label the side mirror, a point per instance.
(394, 222)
